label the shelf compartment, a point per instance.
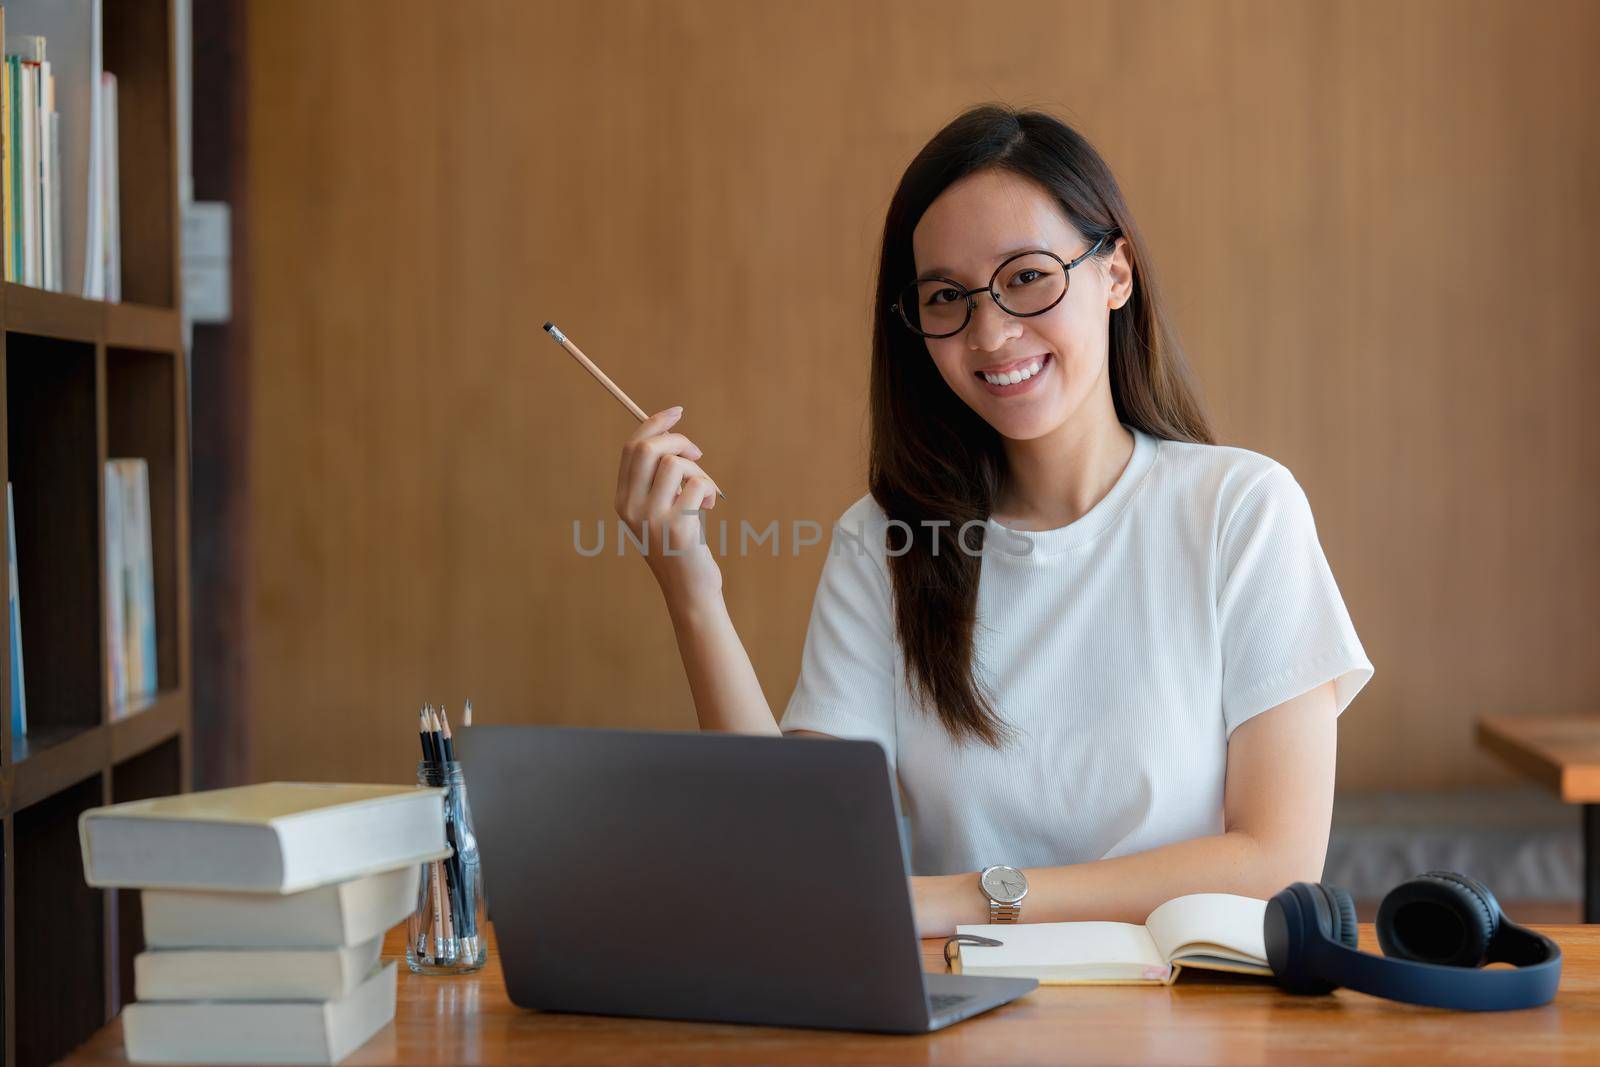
(59, 932)
(52, 437)
(137, 49)
(142, 422)
(144, 725)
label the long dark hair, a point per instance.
(931, 456)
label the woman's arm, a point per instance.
(1277, 807)
(727, 694)
(661, 490)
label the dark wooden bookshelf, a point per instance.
(83, 381)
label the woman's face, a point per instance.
(964, 235)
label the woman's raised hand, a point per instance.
(660, 488)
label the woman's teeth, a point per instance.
(1021, 374)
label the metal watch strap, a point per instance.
(1004, 913)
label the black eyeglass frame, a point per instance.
(967, 294)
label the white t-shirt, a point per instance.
(1124, 648)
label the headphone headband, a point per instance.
(1439, 986)
(1435, 931)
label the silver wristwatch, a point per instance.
(1005, 887)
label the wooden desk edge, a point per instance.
(1506, 737)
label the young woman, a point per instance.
(1104, 654)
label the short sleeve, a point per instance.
(846, 683)
(1283, 624)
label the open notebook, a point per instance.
(1212, 931)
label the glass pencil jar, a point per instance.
(445, 931)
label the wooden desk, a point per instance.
(1217, 1019)
(1562, 753)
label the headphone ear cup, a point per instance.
(1298, 917)
(1344, 915)
(1438, 917)
(1491, 906)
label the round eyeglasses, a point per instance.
(1033, 283)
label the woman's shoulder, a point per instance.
(861, 527)
(1220, 478)
(855, 545)
(864, 511)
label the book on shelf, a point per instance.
(31, 197)
(132, 671)
(19, 688)
(12, 123)
(49, 185)
(253, 973)
(261, 1031)
(1206, 931)
(27, 153)
(110, 192)
(340, 915)
(277, 837)
(33, 175)
(116, 594)
(24, 125)
(58, 122)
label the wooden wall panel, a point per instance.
(1375, 222)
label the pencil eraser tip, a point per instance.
(549, 326)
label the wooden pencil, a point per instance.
(444, 736)
(600, 376)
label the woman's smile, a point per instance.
(1016, 377)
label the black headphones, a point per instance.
(1436, 932)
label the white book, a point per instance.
(138, 568)
(116, 637)
(253, 973)
(262, 1031)
(277, 837)
(1209, 931)
(47, 263)
(110, 212)
(331, 916)
(60, 282)
(88, 81)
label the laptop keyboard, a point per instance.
(939, 1003)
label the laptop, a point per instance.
(709, 876)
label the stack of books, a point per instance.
(264, 913)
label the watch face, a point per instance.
(1005, 884)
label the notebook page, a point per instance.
(1057, 945)
(1216, 924)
